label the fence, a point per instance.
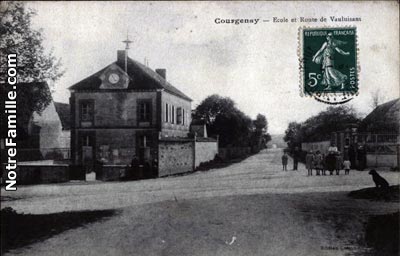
(371, 149)
(381, 149)
(379, 144)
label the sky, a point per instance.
(254, 64)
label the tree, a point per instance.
(376, 98)
(211, 107)
(34, 65)
(293, 135)
(333, 119)
(223, 118)
(260, 129)
(261, 123)
(18, 36)
(321, 126)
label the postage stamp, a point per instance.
(329, 63)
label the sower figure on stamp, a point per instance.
(309, 162)
(325, 56)
(284, 161)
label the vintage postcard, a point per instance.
(200, 128)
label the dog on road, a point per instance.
(380, 182)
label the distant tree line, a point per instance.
(234, 128)
(320, 126)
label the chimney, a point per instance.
(162, 72)
(122, 56)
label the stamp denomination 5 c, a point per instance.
(328, 63)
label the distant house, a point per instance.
(375, 141)
(385, 118)
(380, 133)
(64, 113)
(43, 134)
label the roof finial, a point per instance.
(127, 41)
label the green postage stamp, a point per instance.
(329, 63)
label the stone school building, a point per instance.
(127, 110)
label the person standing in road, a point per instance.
(318, 162)
(309, 162)
(347, 165)
(295, 158)
(339, 162)
(284, 161)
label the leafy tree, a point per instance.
(211, 107)
(333, 119)
(223, 118)
(261, 123)
(233, 128)
(320, 126)
(18, 36)
(34, 64)
(293, 135)
(260, 130)
(267, 138)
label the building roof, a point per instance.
(63, 112)
(141, 78)
(385, 117)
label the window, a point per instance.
(173, 115)
(179, 115)
(166, 112)
(86, 112)
(183, 116)
(144, 111)
(143, 141)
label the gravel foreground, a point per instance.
(279, 224)
(249, 208)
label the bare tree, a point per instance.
(376, 98)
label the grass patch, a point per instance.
(377, 194)
(18, 230)
(382, 233)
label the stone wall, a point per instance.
(234, 152)
(111, 172)
(205, 151)
(175, 157)
(39, 174)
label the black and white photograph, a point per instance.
(200, 128)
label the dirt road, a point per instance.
(249, 208)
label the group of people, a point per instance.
(332, 162)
